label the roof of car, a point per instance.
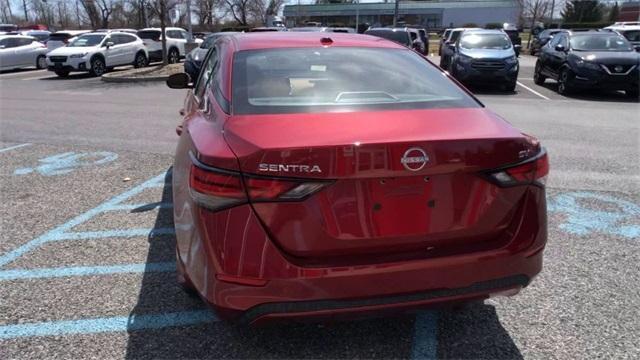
(14, 36)
(623, 27)
(158, 29)
(268, 40)
(389, 29)
(484, 31)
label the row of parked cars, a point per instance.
(95, 52)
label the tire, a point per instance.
(174, 56)
(41, 62)
(564, 82)
(510, 86)
(538, 78)
(140, 61)
(62, 73)
(98, 67)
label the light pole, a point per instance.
(395, 13)
(357, 14)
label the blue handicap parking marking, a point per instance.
(425, 338)
(65, 232)
(67, 162)
(583, 220)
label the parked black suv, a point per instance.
(542, 39)
(589, 60)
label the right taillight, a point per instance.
(218, 189)
(532, 171)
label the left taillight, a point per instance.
(218, 189)
(533, 171)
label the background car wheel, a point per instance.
(538, 78)
(564, 82)
(41, 62)
(140, 61)
(509, 87)
(174, 56)
(62, 73)
(98, 67)
(633, 94)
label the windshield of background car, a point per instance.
(208, 41)
(87, 40)
(302, 80)
(401, 37)
(601, 42)
(454, 36)
(485, 41)
(59, 36)
(632, 35)
(149, 35)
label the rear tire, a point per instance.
(62, 73)
(633, 94)
(538, 78)
(98, 67)
(564, 82)
(140, 61)
(41, 62)
(174, 56)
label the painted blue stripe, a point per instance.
(59, 231)
(81, 235)
(108, 324)
(425, 341)
(14, 147)
(151, 206)
(21, 274)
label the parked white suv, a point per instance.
(176, 40)
(98, 52)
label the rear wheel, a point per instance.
(140, 61)
(62, 73)
(174, 56)
(538, 78)
(98, 68)
(41, 62)
(564, 82)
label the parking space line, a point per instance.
(64, 229)
(141, 207)
(126, 233)
(108, 324)
(425, 336)
(532, 91)
(6, 275)
(14, 147)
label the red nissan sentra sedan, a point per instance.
(322, 175)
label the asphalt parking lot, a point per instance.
(87, 258)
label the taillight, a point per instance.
(218, 189)
(532, 171)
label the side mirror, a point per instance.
(180, 81)
(109, 44)
(560, 47)
(637, 47)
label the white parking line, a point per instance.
(14, 147)
(15, 75)
(533, 91)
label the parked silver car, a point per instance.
(19, 51)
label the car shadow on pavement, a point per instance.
(592, 95)
(480, 89)
(473, 332)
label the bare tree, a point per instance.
(534, 11)
(204, 9)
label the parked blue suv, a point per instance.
(485, 56)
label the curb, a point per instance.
(132, 79)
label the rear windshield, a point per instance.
(485, 41)
(87, 40)
(609, 42)
(401, 37)
(59, 36)
(455, 35)
(275, 81)
(149, 35)
(632, 35)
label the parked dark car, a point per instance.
(485, 56)
(589, 60)
(443, 38)
(193, 60)
(514, 35)
(542, 39)
(400, 35)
